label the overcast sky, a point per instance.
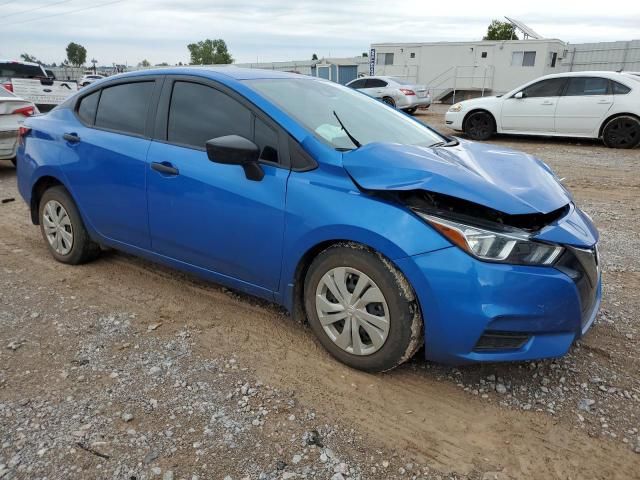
(128, 31)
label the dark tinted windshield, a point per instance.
(313, 103)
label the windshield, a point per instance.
(318, 105)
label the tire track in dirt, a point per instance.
(406, 409)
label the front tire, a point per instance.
(480, 126)
(62, 228)
(622, 132)
(362, 309)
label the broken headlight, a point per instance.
(508, 246)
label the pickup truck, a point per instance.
(30, 82)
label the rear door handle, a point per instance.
(606, 102)
(71, 137)
(165, 167)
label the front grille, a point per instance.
(582, 266)
(496, 340)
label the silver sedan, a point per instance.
(394, 91)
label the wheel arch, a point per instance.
(611, 117)
(39, 187)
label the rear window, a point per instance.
(87, 108)
(619, 89)
(124, 107)
(20, 70)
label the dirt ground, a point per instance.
(125, 369)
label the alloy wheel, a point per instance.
(57, 227)
(623, 132)
(352, 311)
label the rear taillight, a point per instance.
(406, 91)
(23, 132)
(8, 86)
(26, 111)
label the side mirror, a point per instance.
(236, 150)
(519, 95)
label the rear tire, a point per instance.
(479, 126)
(63, 230)
(361, 308)
(411, 111)
(622, 132)
(14, 160)
(389, 101)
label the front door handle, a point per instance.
(164, 167)
(605, 102)
(71, 137)
(547, 103)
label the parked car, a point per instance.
(89, 79)
(13, 111)
(380, 231)
(394, 91)
(31, 82)
(578, 104)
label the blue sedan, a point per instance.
(382, 233)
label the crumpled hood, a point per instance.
(499, 178)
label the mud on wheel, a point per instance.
(362, 309)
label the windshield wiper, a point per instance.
(351, 137)
(451, 143)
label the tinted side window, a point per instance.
(619, 89)
(199, 113)
(87, 108)
(357, 84)
(124, 107)
(587, 86)
(376, 83)
(546, 88)
(267, 139)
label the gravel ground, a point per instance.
(122, 369)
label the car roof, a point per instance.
(587, 73)
(227, 71)
(31, 64)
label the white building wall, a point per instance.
(461, 65)
(611, 56)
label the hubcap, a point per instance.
(623, 132)
(352, 311)
(57, 227)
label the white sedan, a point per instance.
(577, 104)
(13, 111)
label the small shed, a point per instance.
(337, 70)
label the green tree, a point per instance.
(29, 58)
(76, 54)
(498, 30)
(163, 64)
(209, 52)
(144, 63)
(365, 54)
(314, 57)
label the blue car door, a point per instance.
(105, 155)
(207, 214)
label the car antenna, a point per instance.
(351, 137)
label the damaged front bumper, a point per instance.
(476, 311)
